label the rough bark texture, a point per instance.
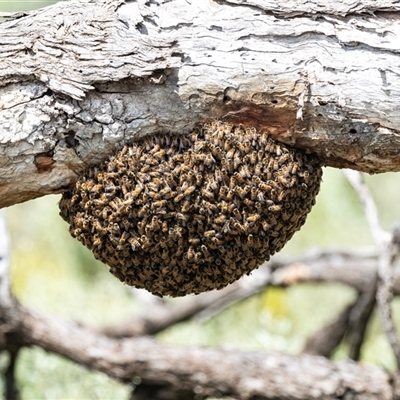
(80, 79)
(214, 372)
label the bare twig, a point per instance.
(359, 318)
(11, 390)
(6, 299)
(324, 341)
(353, 320)
(355, 269)
(356, 179)
(388, 251)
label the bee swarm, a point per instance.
(180, 215)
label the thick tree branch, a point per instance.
(78, 80)
(214, 372)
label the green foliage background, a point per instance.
(54, 273)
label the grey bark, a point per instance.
(243, 375)
(81, 79)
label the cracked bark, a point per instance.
(79, 80)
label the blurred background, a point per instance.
(56, 274)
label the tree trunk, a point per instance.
(80, 79)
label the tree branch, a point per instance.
(388, 251)
(214, 372)
(84, 79)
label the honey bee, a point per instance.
(179, 251)
(197, 258)
(230, 153)
(285, 216)
(159, 204)
(242, 191)
(283, 181)
(218, 175)
(283, 159)
(165, 192)
(223, 191)
(153, 195)
(209, 234)
(253, 193)
(97, 242)
(220, 219)
(179, 198)
(105, 212)
(136, 192)
(209, 160)
(189, 190)
(223, 205)
(228, 144)
(145, 242)
(216, 151)
(207, 193)
(253, 218)
(275, 208)
(216, 241)
(232, 182)
(143, 211)
(151, 150)
(260, 198)
(305, 175)
(205, 251)
(186, 206)
(258, 169)
(209, 206)
(236, 161)
(244, 171)
(265, 225)
(225, 176)
(190, 253)
(264, 187)
(237, 214)
(160, 154)
(281, 195)
(248, 202)
(250, 239)
(199, 145)
(247, 146)
(230, 195)
(198, 179)
(155, 223)
(294, 168)
(230, 165)
(135, 244)
(182, 217)
(141, 226)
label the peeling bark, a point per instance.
(79, 80)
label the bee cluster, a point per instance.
(180, 215)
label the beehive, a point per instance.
(180, 215)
